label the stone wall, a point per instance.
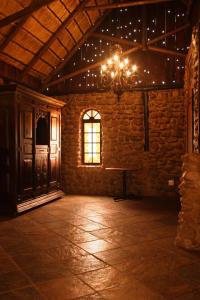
(123, 143)
(188, 235)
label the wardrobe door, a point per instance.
(25, 141)
(41, 152)
(54, 172)
(4, 154)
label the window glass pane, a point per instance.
(88, 147)
(96, 148)
(87, 127)
(96, 137)
(89, 113)
(96, 127)
(87, 138)
(96, 158)
(88, 158)
(86, 117)
(97, 116)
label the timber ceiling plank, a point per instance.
(75, 48)
(12, 33)
(53, 37)
(24, 12)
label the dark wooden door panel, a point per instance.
(26, 158)
(4, 153)
(41, 168)
(54, 172)
(27, 174)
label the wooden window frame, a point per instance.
(91, 120)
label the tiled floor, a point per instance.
(91, 248)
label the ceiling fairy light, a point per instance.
(117, 73)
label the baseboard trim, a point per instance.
(31, 203)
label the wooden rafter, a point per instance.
(166, 51)
(53, 37)
(90, 67)
(27, 11)
(135, 47)
(127, 4)
(115, 39)
(128, 43)
(163, 36)
(12, 33)
(75, 48)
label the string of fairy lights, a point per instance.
(126, 24)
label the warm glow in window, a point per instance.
(91, 137)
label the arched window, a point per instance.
(91, 149)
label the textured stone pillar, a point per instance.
(188, 235)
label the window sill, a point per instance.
(90, 166)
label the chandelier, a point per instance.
(117, 73)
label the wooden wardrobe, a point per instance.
(30, 148)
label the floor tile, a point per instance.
(103, 278)
(67, 250)
(29, 293)
(64, 288)
(12, 280)
(97, 246)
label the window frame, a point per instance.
(90, 120)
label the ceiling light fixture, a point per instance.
(117, 73)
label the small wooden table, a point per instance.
(124, 182)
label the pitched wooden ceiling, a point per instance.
(38, 37)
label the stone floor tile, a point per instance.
(114, 256)
(66, 251)
(17, 245)
(131, 291)
(32, 260)
(75, 234)
(45, 246)
(6, 264)
(64, 288)
(103, 278)
(169, 285)
(194, 295)
(97, 246)
(12, 280)
(82, 264)
(29, 293)
(90, 226)
(46, 272)
(92, 297)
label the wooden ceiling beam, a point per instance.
(53, 37)
(12, 33)
(166, 51)
(27, 11)
(90, 67)
(114, 39)
(75, 48)
(130, 43)
(163, 36)
(126, 4)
